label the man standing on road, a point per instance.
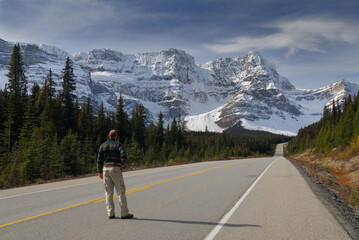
(111, 158)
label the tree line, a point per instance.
(46, 134)
(338, 128)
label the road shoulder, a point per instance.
(342, 212)
(282, 206)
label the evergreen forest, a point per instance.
(46, 135)
(338, 128)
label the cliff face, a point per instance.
(243, 91)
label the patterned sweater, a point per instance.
(111, 152)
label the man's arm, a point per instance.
(123, 155)
(100, 161)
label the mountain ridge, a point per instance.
(215, 95)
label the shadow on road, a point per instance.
(194, 222)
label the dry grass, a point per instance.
(339, 170)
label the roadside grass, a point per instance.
(354, 198)
(338, 170)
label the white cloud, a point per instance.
(46, 20)
(68, 21)
(303, 34)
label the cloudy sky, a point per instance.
(311, 42)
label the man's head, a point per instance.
(113, 134)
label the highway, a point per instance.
(259, 198)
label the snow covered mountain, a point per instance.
(228, 93)
(167, 81)
(266, 101)
(38, 59)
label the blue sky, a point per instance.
(312, 43)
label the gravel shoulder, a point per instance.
(343, 212)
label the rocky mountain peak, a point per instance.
(342, 83)
(168, 62)
(96, 54)
(178, 55)
(244, 92)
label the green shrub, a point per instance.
(354, 198)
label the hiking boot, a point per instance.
(127, 216)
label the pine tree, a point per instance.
(49, 87)
(174, 132)
(122, 124)
(356, 123)
(160, 130)
(25, 148)
(3, 108)
(7, 137)
(100, 125)
(68, 97)
(151, 137)
(35, 93)
(87, 158)
(138, 124)
(85, 121)
(110, 121)
(57, 110)
(17, 88)
(47, 96)
(134, 152)
(345, 125)
(43, 140)
(37, 100)
(76, 115)
(70, 151)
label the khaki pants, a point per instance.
(112, 177)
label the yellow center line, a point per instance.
(115, 195)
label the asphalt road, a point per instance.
(263, 198)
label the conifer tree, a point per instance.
(37, 100)
(135, 152)
(110, 122)
(47, 96)
(122, 124)
(85, 121)
(35, 93)
(138, 124)
(68, 97)
(42, 139)
(356, 123)
(25, 147)
(151, 136)
(160, 130)
(3, 108)
(17, 88)
(56, 115)
(174, 132)
(69, 149)
(7, 136)
(49, 86)
(100, 125)
(87, 159)
(76, 116)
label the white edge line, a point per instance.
(47, 190)
(224, 220)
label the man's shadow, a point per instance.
(194, 222)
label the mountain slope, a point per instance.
(227, 93)
(38, 59)
(266, 101)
